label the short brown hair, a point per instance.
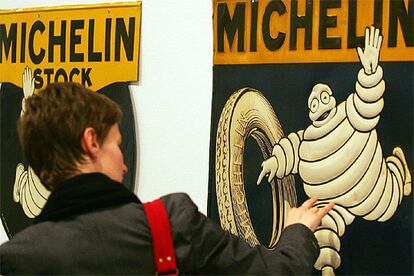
(53, 123)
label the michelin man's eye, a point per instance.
(314, 105)
(325, 97)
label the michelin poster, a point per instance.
(315, 98)
(95, 45)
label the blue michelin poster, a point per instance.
(315, 99)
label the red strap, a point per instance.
(164, 254)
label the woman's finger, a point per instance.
(309, 203)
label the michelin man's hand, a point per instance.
(369, 57)
(269, 167)
(308, 215)
(28, 82)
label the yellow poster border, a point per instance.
(101, 72)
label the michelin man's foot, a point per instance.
(407, 174)
(328, 271)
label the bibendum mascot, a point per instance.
(340, 159)
(28, 189)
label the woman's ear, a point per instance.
(89, 142)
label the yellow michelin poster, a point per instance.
(95, 45)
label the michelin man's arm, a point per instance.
(27, 188)
(284, 159)
(364, 106)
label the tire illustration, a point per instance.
(246, 114)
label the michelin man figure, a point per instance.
(340, 159)
(27, 189)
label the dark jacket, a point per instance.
(93, 225)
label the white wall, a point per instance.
(173, 97)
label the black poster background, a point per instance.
(372, 248)
(12, 216)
